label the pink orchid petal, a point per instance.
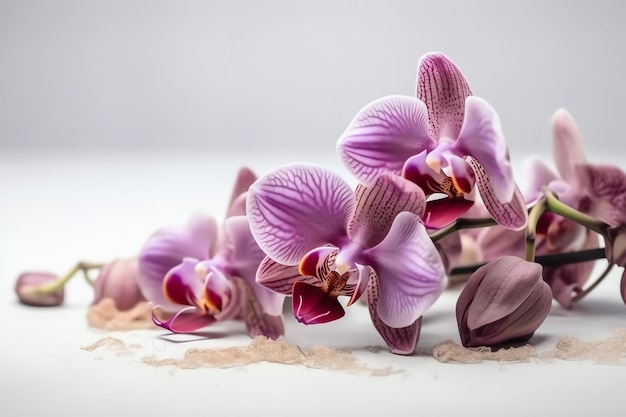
(280, 278)
(182, 285)
(297, 208)
(443, 211)
(499, 241)
(512, 214)
(167, 248)
(410, 272)
(417, 171)
(358, 282)
(383, 135)
(245, 178)
(379, 204)
(564, 235)
(481, 137)
(218, 291)
(313, 305)
(259, 322)
(461, 173)
(607, 188)
(187, 320)
(319, 261)
(567, 145)
(443, 87)
(539, 175)
(401, 340)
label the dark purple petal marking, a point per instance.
(378, 205)
(280, 278)
(313, 305)
(182, 285)
(443, 211)
(443, 87)
(187, 320)
(319, 262)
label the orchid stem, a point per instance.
(531, 230)
(59, 283)
(590, 288)
(556, 206)
(460, 224)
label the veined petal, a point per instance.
(607, 188)
(297, 208)
(410, 272)
(167, 248)
(419, 172)
(357, 283)
(259, 321)
(512, 214)
(182, 284)
(280, 278)
(186, 320)
(481, 137)
(313, 305)
(567, 145)
(401, 340)
(378, 205)
(443, 211)
(383, 135)
(443, 87)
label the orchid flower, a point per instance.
(447, 141)
(199, 278)
(324, 240)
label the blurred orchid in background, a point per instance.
(199, 276)
(323, 240)
(26, 288)
(118, 280)
(447, 141)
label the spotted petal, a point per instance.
(297, 208)
(443, 87)
(400, 340)
(481, 137)
(167, 248)
(280, 278)
(379, 204)
(410, 271)
(383, 135)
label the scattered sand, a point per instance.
(106, 316)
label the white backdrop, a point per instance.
(232, 75)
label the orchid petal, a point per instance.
(607, 187)
(443, 211)
(460, 173)
(186, 320)
(379, 204)
(383, 135)
(313, 305)
(245, 260)
(259, 322)
(444, 88)
(567, 145)
(319, 261)
(297, 208)
(401, 340)
(512, 214)
(498, 241)
(359, 284)
(481, 137)
(410, 272)
(280, 278)
(167, 248)
(182, 284)
(245, 178)
(539, 175)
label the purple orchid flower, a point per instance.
(197, 278)
(324, 240)
(447, 141)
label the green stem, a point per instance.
(459, 224)
(554, 205)
(590, 288)
(59, 283)
(531, 229)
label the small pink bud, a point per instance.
(118, 280)
(502, 303)
(29, 285)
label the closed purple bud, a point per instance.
(503, 303)
(118, 280)
(27, 285)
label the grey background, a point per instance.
(290, 75)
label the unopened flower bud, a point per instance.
(503, 303)
(615, 245)
(30, 288)
(118, 280)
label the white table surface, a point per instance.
(60, 208)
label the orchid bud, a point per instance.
(503, 303)
(30, 289)
(118, 280)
